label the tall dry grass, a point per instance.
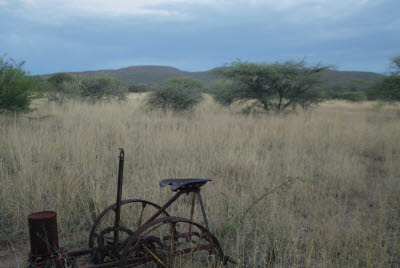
(344, 212)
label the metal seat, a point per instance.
(184, 184)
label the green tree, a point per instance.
(177, 93)
(102, 88)
(395, 65)
(273, 87)
(17, 89)
(62, 86)
(355, 90)
(59, 78)
(224, 91)
(388, 88)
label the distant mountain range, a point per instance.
(156, 74)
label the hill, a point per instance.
(343, 78)
(146, 74)
(156, 74)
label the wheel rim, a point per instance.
(134, 212)
(172, 242)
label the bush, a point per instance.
(139, 88)
(102, 88)
(17, 89)
(388, 88)
(339, 92)
(225, 91)
(353, 96)
(63, 86)
(178, 94)
(59, 78)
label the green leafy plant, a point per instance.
(388, 88)
(177, 94)
(63, 86)
(225, 91)
(102, 88)
(58, 78)
(17, 89)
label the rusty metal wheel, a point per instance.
(171, 242)
(134, 212)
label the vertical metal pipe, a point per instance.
(192, 212)
(119, 197)
(203, 210)
(193, 204)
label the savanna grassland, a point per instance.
(340, 207)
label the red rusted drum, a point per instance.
(43, 234)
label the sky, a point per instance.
(197, 35)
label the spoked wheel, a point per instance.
(171, 242)
(134, 212)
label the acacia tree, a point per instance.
(388, 88)
(273, 87)
(395, 65)
(17, 89)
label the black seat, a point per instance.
(183, 184)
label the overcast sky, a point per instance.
(196, 35)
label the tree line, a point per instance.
(273, 87)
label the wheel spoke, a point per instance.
(133, 213)
(172, 229)
(141, 215)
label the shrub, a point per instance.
(139, 88)
(63, 86)
(178, 94)
(102, 88)
(388, 88)
(59, 78)
(225, 91)
(17, 89)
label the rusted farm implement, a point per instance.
(133, 232)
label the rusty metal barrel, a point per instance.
(43, 234)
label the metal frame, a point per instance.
(62, 258)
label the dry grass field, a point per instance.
(341, 209)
